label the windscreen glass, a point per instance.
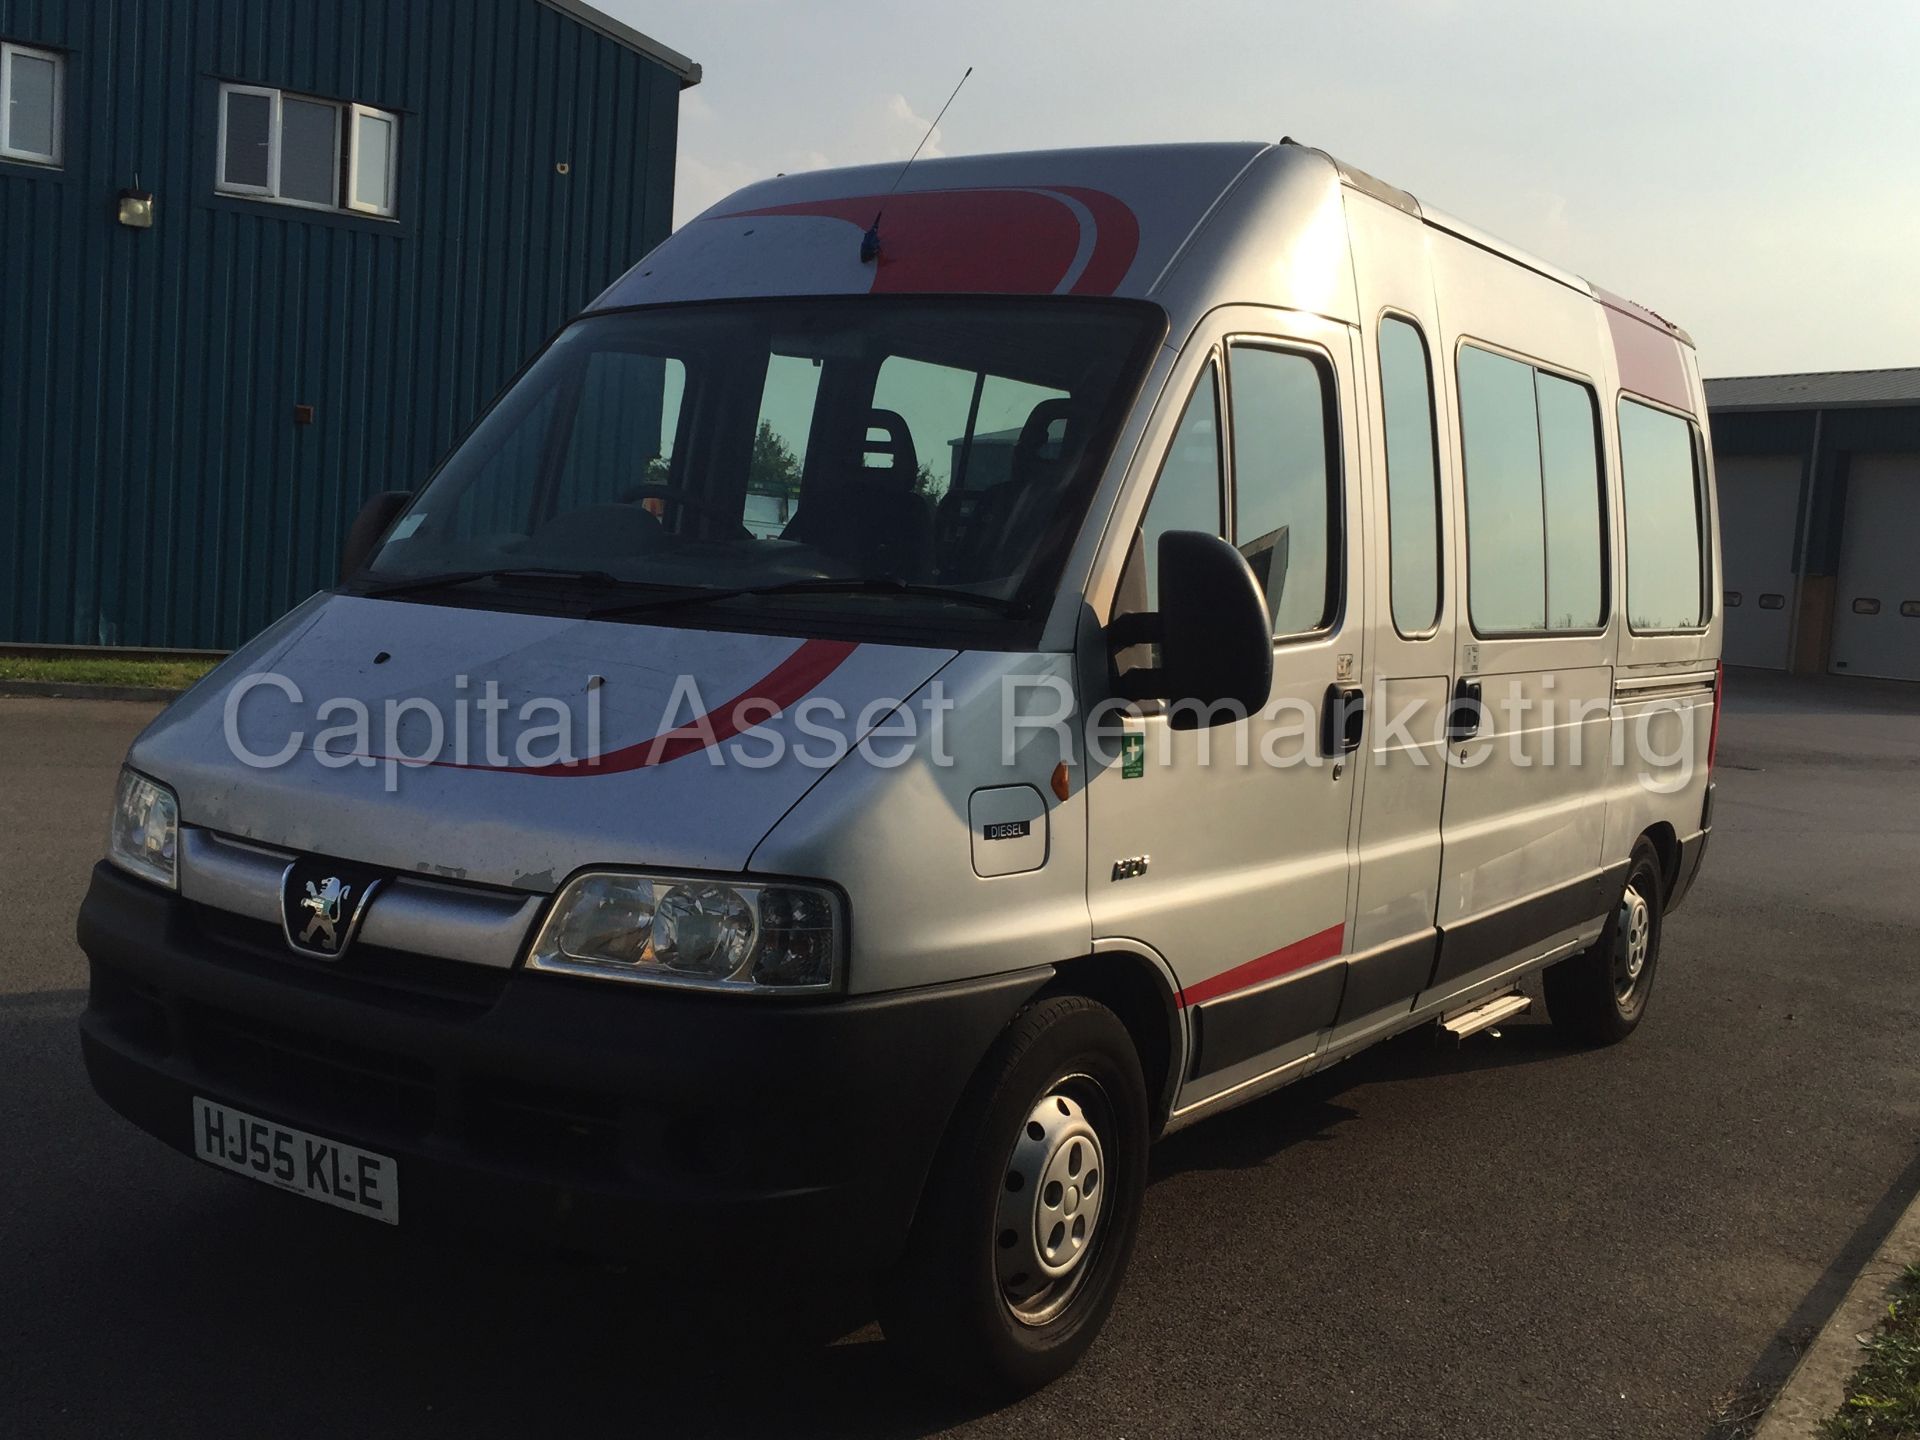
(900, 457)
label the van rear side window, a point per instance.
(1570, 485)
(1534, 529)
(1666, 561)
(1413, 490)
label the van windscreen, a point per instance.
(898, 459)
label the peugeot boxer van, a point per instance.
(914, 695)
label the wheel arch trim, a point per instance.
(1148, 974)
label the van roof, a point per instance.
(1107, 220)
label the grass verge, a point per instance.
(1883, 1398)
(154, 674)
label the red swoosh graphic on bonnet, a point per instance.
(787, 682)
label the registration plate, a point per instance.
(311, 1165)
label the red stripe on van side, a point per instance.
(1283, 961)
(792, 679)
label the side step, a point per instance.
(1486, 1015)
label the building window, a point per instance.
(373, 159)
(31, 85)
(304, 151)
(1535, 541)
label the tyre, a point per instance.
(1031, 1208)
(1599, 996)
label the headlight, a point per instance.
(704, 934)
(146, 824)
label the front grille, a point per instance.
(420, 984)
(312, 1074)
(312, 1078)
(135, 1009)
(551, 1127)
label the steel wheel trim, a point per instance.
(1051, 1200)
(1632, 946)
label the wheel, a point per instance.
(1599, 996)
(1031, 1208)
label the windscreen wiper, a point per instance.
(867, 585)
(450, 579)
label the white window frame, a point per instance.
(8, 150)
(346, 137)
(279, 141)
(271, 190)
(356, 113)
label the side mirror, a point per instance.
(1214, 632)
(368, 526)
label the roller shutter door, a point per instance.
(1876, 614)
(1759, 506)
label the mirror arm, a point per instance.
(1139, 627)
(1141, 684)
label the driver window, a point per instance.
(1185, 497)
(1286, 514)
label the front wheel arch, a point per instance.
(946, 1305)
(1134, 988)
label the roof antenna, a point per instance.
(870, 242)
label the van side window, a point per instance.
(1534, 537)
(1284, 515)
(1413, 476)
(1185, 497)
(1666, 560)
(1570, 482)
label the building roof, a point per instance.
(618, 30)
(1816, 390)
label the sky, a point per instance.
(1750, 170)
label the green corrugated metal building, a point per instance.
(363, 216)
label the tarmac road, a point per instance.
(1506, 1238)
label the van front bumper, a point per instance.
(695, 1131)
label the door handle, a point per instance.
(1466, 711)
(1343, 720)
